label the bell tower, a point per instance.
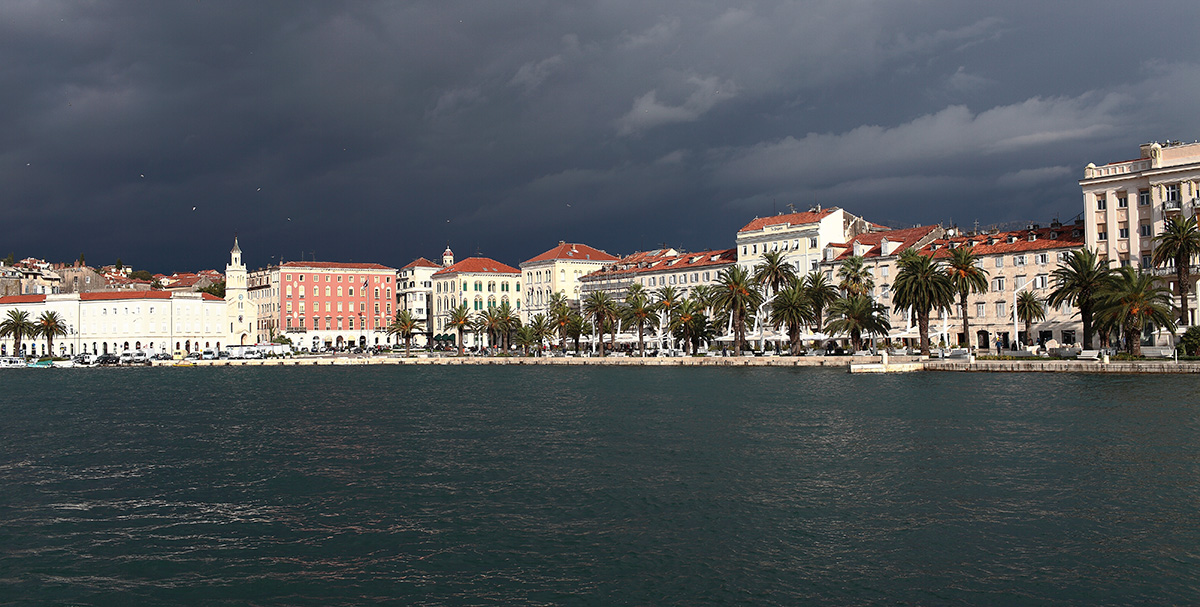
(447, 257)
(240, 314)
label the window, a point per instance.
(812, 243)
(301, 278)
(1143, 197)
(1039, 281)
(1122, 202)
(316, 291)
(980, 310)
(999, 262)
(1101, 203)
(327, 291)
(999, 309)
(1123, 232)
(998, 283)
(1144, 229)
(1018, 260)
(883, 272)
(754, 249)
(1145, 261)
(1172, 192)
(1101, 235)
(289, 277)
(339, 279)
(479, 285)
(1042, 258)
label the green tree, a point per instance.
(774, 272)
(967, 277)
(404, 326)
(736, 297)
(640, 312)
(487, 321)
(510, 321)
(460, 321)
(855, 315)
(686, 322)
(856, 277)
(542, 329)
(792, 308)
(217, 289)
(526, 337)
(142, 275)
(1190, 342)
(1133, 301)
(577, 326)
(923, 286)
(1077, 280)
(17, 326)
(560, 315)
(50, 325)
(1178, 243)
(1029, 309)
(120, 266)
(601, 310)
(821, 294)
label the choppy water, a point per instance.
(622, 486)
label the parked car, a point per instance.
(208, 355)
(140, 358)
(108, 359)
(162, 356)
(254, 354)
(126, 358)
(194, 356)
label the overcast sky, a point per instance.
(381, 131)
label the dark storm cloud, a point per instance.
(382, 131)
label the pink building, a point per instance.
(334, 304)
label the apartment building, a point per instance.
(333, 304)
(659, 268)
(559, 270)
(479, 283)
(801, 237)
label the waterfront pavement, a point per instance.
(856, 364)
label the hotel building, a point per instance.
(478, 282)
(559, 270)
(330, 304)
(416, 293)
(1127, 203)
(660, 268)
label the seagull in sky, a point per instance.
(193, 208)
(143, 175)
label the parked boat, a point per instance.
(11, 362)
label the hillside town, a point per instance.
(1120, 275)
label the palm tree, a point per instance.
(1132, 301)
(736, 297)
(820, 294)
(686, 322)
(640, 312)
(966, 276)
(17, 326)
(668, 299)
(488, 321)
(576, 327)
(792, 308)
(1029, 309)
(774, 272)
(855, 315)
(1078, 279)
(404, 325)
(50, 325)
(542, 329)
(923, 286)
(560, 314)
(526, 337)
(460, 320)
(509, 322)
(1179, 242)
(601, 309)
(703, 295)
(856, 278)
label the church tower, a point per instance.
(447, 257)
(240, 313)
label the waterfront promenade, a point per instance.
(895, 363)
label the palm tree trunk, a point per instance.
(407, 341)
(641, 344)
(461, 345)
(1028, 332)
(966, 336)
(1181, 275)
(923, 324)
(1085, 315)
(794, 338)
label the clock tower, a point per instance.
(240, 313)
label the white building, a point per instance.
(801, 237)
(117, 321)
(416, 292)
(559, 270)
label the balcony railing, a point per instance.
(1172, 205)
(1169, 271)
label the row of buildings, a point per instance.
(327, 304)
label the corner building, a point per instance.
(330, 304)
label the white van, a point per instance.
(208, 355)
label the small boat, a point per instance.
(41, 364)
(11, 362)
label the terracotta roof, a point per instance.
(478, 265)
(574, 251)
(102, 295)
(18, 299)
(872, 240)
(333, 265)
(210, 297)
(789, 219)
(421, 262)
(1002, 245)
(673, 263)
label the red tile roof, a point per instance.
(873, 240)
(19, 299)
(574, 251)
(789, 219)
(682, 261)
(1001, 244)
(103, 295)
(333, 265)
(477, 265)
(421, 262)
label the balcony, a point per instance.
(1169, 271)
(1172, 205)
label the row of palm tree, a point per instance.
(17, 326)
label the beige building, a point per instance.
(416, 292)
(478, 282)
(559, 270)
(262, 290)
(801, 237)
(240, 312)
(661, 268)
(1126, 204)
(1016, 261)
